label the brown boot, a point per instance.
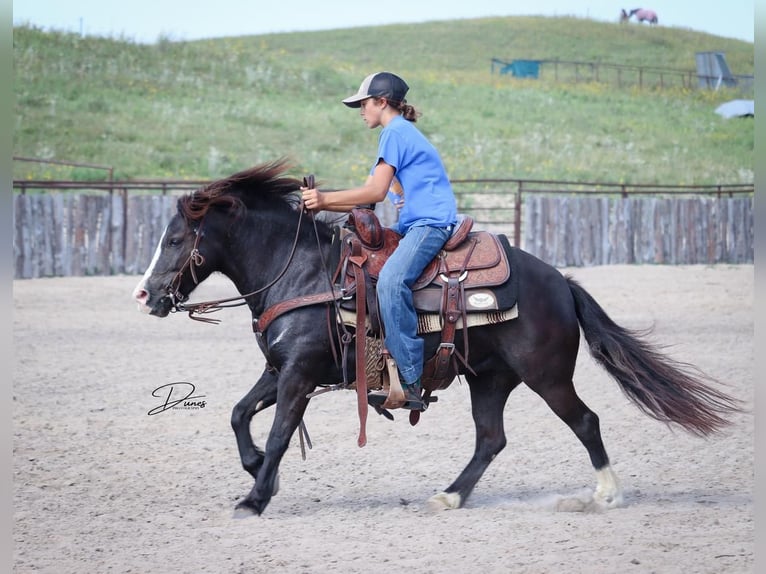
(413, 395)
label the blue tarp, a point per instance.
(523, 68)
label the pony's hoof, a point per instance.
(608, 493)
(444, 501)
(608, 501)
(244, 510)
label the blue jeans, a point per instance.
(395, 280)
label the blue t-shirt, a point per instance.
(428, 196)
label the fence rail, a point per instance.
(623, 75)
(498, 204)
(113, 227)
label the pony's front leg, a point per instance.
(261, 396)
(291, 405)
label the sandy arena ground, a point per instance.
(100, 486)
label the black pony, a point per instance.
(251, 228)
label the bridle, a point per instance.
(196, 260)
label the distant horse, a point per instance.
(252, 228)
(624, 16)
(644, 15)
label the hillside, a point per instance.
(204, 109)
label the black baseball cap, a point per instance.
(379, 85)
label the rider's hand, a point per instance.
(312, 199)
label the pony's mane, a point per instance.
(234, 191)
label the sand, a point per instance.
(101, 486)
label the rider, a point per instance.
(427, 210)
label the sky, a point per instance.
(145, 21)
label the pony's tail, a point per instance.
(664, 389)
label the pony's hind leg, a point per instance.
(488, 398)
(563, 400)
(261, 396)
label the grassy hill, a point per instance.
(203, 109)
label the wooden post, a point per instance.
(517, 218)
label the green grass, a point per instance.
(203, 109)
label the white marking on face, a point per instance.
(139, 293)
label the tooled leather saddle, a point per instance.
(464, 278)
(470, 277)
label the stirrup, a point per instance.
(380, 399)
(394, 397)
(415, 402)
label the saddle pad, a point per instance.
(432, 322)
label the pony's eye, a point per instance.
(174, 242)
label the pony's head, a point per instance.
(196, 240)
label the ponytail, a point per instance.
(408, 112)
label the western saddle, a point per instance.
(456, 282)
(461, 280)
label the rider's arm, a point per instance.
(374, 190)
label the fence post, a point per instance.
(124, 194)
(517, 217)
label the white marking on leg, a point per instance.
(608, 491)
(444, 501)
